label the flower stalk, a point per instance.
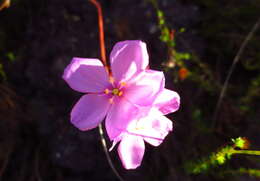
(104, 61)
(131, 99)
(101, 34)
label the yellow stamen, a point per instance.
(122, 83)
(120, 93)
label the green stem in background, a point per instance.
(104, 61)
(220, 157)
(247, 152)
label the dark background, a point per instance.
(38, 38)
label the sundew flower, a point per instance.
(119, 97)
(152, 128)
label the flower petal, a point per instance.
(128, 58)
(160, 127)
(115, 141)
(167, 101)
(154, 127)
(131, 151)
(145, 88)
(86, 75)
(120, 114)
(89, 111)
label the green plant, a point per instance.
(220, 157)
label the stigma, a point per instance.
(117, 92)
(114, 91)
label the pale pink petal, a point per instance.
(89, 111)
(128, 58)
(160, 127)
(154, 127)
(167, 101)
(131, 151)
(145, 88)
(119, 116)
(86, 75)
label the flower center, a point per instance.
(114, 91)
(117, 92)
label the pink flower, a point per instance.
(152, 127)
(118, 99)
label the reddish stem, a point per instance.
(104, 61)
(101, 34)
(172, 33)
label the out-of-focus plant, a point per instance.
(2, 72)
(5, 4)
(175, 58)
(220, 157)
(252, 93)
(168, 36)
(200, 73)
(249, 171)
(10, 58)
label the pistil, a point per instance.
(117, 92)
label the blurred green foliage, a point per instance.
(200, 73)
(224, 26)
(175, 58)
(220, 157)
(251, 172)
(2, 72)
(225, 35)
(10, 34)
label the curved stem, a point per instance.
(236, 59)
(104, 61)
(103, 141)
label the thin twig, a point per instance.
(236, 59)
(103, 58)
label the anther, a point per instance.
(120, 93)
(106, 91)
(122, 83)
